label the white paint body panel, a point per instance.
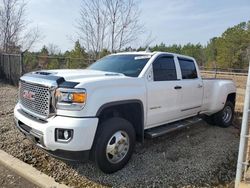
(163, 102)
(84, 131)
(215, 94)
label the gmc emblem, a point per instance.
(28, 95)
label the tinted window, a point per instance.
(164, 69)
(130, 65)
(188, 69)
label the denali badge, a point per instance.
(28, 95)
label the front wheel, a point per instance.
(224, 118)
(114, 144)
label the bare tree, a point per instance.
(29, 38)
(123, 16)
(93, 25)
(113, 17)
(14, 32)
(110, 24)
(53, 49)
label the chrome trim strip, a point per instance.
(39, 81)
(31, 117)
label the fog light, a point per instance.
(63, 135)
(66, 134)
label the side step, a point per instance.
(167, 128)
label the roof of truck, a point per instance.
(135, 53)
(152, 53)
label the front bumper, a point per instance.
(42, 133)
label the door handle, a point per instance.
(177, 87)
(200, 86)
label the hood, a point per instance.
(61, 77)
(77, 74)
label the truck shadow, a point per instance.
(197, 155)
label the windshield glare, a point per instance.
(129, 65)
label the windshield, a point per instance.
(129, 65)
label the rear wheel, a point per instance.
(114, 144)
(224, 118)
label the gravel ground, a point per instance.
(199, 156)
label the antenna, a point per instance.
(147, 50)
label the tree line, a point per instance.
(226, 51)
(110, 26)
(230, 50)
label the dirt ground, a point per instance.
(9, 179)
(201, 155)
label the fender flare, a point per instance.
(115, 103)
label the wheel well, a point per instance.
(132, 111)
(231, 97)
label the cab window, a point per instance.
(188, 69)
(164, 69)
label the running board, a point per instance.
(167, 128)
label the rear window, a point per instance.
(188, 69)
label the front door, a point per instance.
(164, 92)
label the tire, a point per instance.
(224, 118)
(118, 135)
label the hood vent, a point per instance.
(112, 74)
(43, 73)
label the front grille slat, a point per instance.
(39, 103)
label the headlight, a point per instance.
(70, 99)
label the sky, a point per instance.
(167, 21)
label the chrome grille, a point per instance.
(35, 98)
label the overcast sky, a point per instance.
(169, 21)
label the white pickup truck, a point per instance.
(98, 113)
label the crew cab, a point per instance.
(98, 113)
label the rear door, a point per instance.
(192, 88)
(163, 93)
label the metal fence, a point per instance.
(13, 66)
(37, 62)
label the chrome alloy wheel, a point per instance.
(227, 114)
(117, 147)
